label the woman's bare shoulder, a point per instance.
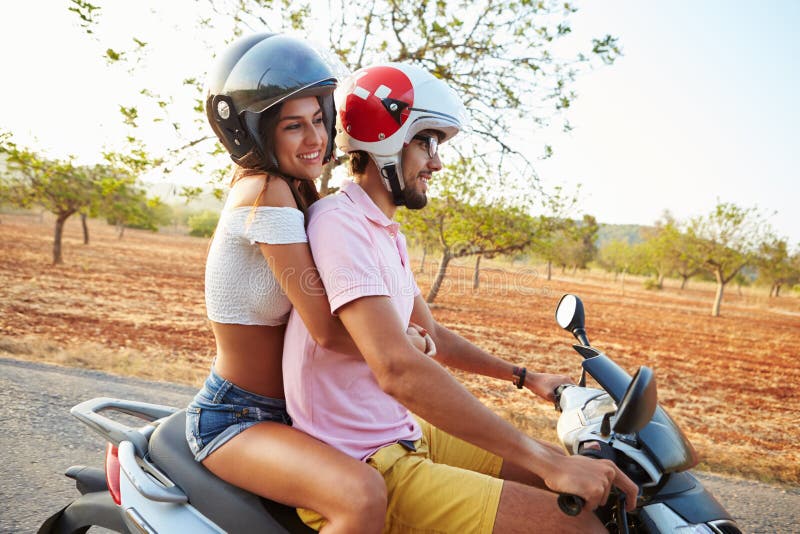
(251, 191)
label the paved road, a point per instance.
(39, 439)
(34, 404)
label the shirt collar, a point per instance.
(371, 211)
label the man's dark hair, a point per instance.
(358, 162)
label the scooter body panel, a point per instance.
(145, 515)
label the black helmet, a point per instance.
(254, 74)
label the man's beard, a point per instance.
(414, 199)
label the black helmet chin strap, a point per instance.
(389, 173)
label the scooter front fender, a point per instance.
(92, 509)
(686, 496)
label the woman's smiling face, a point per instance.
(301, 138)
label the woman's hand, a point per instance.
(421, 339)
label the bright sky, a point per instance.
(702, 106)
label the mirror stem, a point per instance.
(580, 335)
(605, 425)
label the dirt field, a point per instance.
(135, 306)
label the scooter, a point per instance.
(622, 422)
(151, 482)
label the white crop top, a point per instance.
(240, 286)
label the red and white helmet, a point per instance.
(382, 107)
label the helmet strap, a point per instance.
(392, 180)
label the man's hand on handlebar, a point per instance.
(592, 480)
(543, 384)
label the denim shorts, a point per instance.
(221, 410)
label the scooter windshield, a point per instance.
(661, 437)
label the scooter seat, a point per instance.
(232, 509)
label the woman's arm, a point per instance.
(293, 266)
(294, 270)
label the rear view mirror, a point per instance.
(570, 317)
(638, 404)
(569, 313)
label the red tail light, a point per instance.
(112, 473)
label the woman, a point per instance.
(270, 103)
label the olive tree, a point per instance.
(63, 187)
(777, 266)
(727, 240)
(460, 221)
(58, 186)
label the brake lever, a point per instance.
(622, 514)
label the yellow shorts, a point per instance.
(446, 485)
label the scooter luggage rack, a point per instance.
(88, 412)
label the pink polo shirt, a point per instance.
(334, 397)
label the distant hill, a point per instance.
(170, 193)
(619, 232)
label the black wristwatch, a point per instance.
(519, 374)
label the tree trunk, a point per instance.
(437, 283)
(476, 276)
(549, 270)
(85, 229)
(684, 279)
(120, 230)
(718, 296)
(660, 282)
(778, 290)
(622, 282)
(60, 220)
(422, 262)
(327, 171)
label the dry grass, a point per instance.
(144, 363)
(135, 307)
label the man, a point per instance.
(493, 478)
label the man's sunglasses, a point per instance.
(431, 143)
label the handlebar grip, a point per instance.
(570, 504)
(557, 395)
